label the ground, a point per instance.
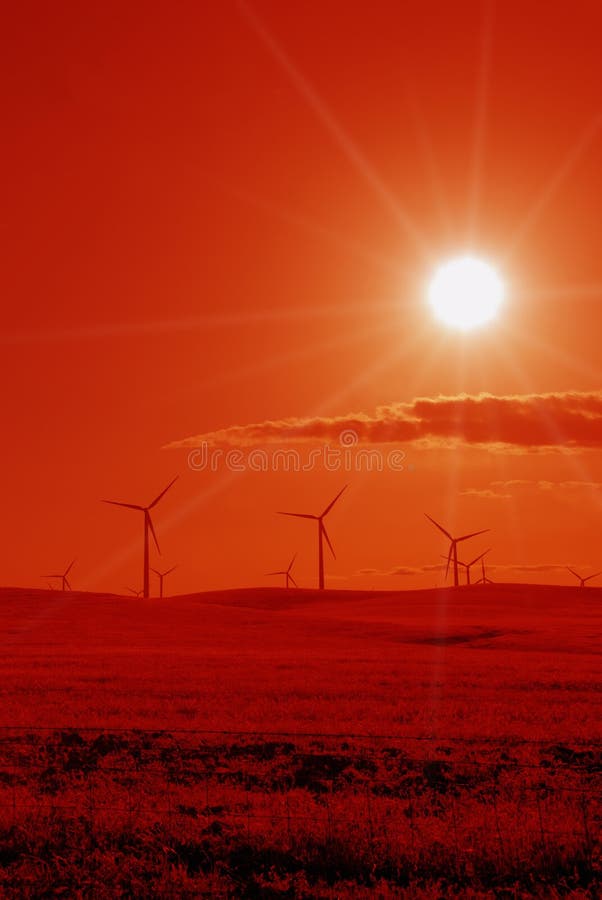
(302, 743)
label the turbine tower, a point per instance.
(583, 580)
(287, 573)
(65, 586)
(484, 579)
(322, 534)
(453, 547)
(148, 526)
(161, 576)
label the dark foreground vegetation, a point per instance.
(142, 814)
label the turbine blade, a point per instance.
(170, 570)
(70, 567)
(595, 575)
(572, 571)
(325, 533)
(290, 565)
(472, 534)
(163, 492)
(67, 584)
(332, 503)
(155, 571)
(297, 515)
(477, 558)
(293, 580)
(152, 530)
(127, 505)
(440, 527)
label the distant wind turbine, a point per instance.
(468, 566)
(484, 579)
(322, 534)
(135, 593)
(65, 586)
(161, 576)
(583, 580)
(287, 572)
(148, 526)
(453, 547)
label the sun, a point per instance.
(465, 292)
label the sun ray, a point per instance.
(425, 145)
(555, 182)
(316, 229)
(480, 122)
(578, 462)
(266, 364)
(576, 365)
(383, 362)
(568, 292)
(190, 323)
(321, 110)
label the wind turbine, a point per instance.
(65, 586)
(135, 593)
(322, 533)
(287, 572)
(467, 566)
(148, 526)
(453, 547)
(583, 580)
(161, 577)
(484, 579)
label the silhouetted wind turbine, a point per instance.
(469, 565)
(322, 533)
(287, 572)
(453, 546)
(483, 579)
(135, 593)
(583, 580)
(65, 586)
(148, 526)
(161, 576)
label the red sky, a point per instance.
(226, 214)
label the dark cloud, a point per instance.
(567, 421)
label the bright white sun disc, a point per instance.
(465, 292)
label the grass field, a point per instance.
(296, 744)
